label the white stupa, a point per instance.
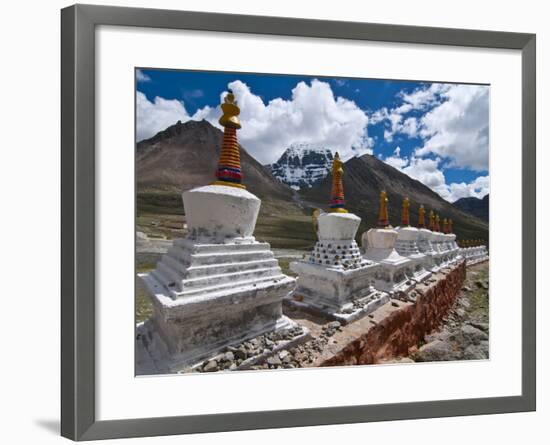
(218, 286)
(473, 252)
(396, 273)
(335, 280)
(407, 244)
(424, 242)
(436, 239)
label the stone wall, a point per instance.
(402, 329)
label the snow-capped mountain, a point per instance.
(302, 165)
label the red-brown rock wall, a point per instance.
(403, 329)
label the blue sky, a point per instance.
(434, 132)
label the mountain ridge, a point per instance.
(478, 207)
(302, 165)
(366, 176)
(185, 155)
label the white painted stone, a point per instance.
(216, 213)
(335, 273)
(474, 255)
(396, 272)
(437, 256)
(215, 288)
(379, 238)
(329, 290)
(338, 226)
(406, 245)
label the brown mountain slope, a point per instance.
(185, 156)
(366, 176)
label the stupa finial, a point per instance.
(432, 221)
(437, 226)
(450, 226)
(445, 225)
(405, 220)
(229, 165)
(421, 217)
(337, 203)
(383, 220)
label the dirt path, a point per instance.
(464, 334)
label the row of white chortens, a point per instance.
(219, 286)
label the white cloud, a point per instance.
(142, 77)
(454, 124)
(458, 128)
(478, 188)
(422, 98)
(428, 171)
(152, 117)
(312, 114)
(396, 160)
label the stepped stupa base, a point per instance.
(396, 271)
(216, 288)
(336, 293)
(420, 271)
(406, 245)
(209, 296)
(474, 255)
(153, 355)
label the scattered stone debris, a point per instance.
(464, 334)
(263, 347)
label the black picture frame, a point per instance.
(78, 23)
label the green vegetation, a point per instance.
(479, 297)
(144, 307)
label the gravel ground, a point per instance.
(464, 334)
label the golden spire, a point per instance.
(437, 219)
(229, 165)
(405, 212)
(445, 225)
(450, 226)
(337, 202)
(421, 217)
(383, 220)
(432, 221)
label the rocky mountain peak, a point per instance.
(302, 165)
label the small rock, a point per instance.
(479, 325)
(274, 360)
(334, 325)
(211, 366)
(436, 351)
(283, 354)
(474, 353)
(473, 335)
(241, 354)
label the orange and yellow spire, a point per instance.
(383, 220)
(405, 220)
(437, 226)
(450, 226)
(432, 221)
(229, 165)
(445, 225)
(337, 202)
(421, 217)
